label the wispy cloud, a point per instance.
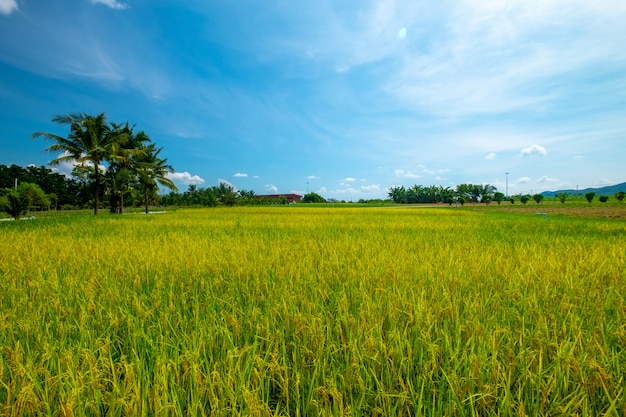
(113, 4)
(546, 179)
(7, 6)
(240, 175)
(493, 57)
(271, 188)
(490, 156)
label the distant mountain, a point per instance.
(609, 190)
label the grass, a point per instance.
(313, 311)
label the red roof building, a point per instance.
(292, 198)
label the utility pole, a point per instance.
(507, 185)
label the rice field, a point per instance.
(300, 311)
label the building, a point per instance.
(292, 198)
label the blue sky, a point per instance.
(344, 98)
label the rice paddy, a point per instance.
(300, 311)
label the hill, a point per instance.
(608, 190)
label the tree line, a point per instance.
(474, 193)
(464, 193)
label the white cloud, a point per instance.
(545, 179)
(534, 150)
(490, 157)
(523, 180)
(113, 4)
(370, 188)
(240, 175)
(271, 188)
(312, 177)
(322, 190)
(7, 6)
(349, 179)
(230, 184)
(185, 178)
(405, 174)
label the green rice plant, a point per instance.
(313, 311)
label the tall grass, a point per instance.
(307, 311)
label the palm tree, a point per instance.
(126, 146)
(151, 169)
(89, 142)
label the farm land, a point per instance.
(301, 311)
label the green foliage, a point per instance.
(603, 198)
(538, 198)
(524, 199)
(68, 191)
(589, 196)
(111, 155)
(38, 200)
(434, 194)
(619, 196)
(15, 203)
(313, 198)
(498, 197)
(561, 197)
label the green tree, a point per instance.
(245, 197)
(15, 204)
(396, 193)
(538, 198)
(603, 198)
(89, 142)
(313, 198)
(498, 197)
(589, 196)
(225, 193)
(464, 193)
(38, 200)
(125, 147)
(151, 171)
(524, 199)
(619, 196)
(562, 197)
